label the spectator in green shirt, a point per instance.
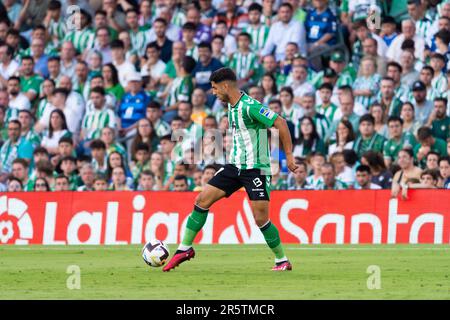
(368, 139)
(427, 143)
(397, 140)
(438, 121)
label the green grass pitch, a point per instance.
(227, 272)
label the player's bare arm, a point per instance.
(286, 141)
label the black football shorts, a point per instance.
(230, 179)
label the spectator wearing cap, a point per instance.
(438, 121)
(320, 25)
(416, 11)
(132, 107)
(388, 30)
(397, 140)
(439, 81)
(422, 106)
(408, 32)
(409, 73)
(330, 77)
(123, 66)
(368, 138)
(370, 49)
(427, 143)
(346, 73)
(283, 31)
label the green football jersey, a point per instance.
(249, 119)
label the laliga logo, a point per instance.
(14, 212)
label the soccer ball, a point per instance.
(155, 253)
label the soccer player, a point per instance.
(249, 167)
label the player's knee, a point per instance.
(202, 201)
(260, 221)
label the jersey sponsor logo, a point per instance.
(257, 182)
(266, 112)
(249, 101)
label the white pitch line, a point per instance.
(125, 248)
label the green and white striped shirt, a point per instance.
(371, 83)
(243, 63)
(423, 26)
(42, 106)
(81, 39)
(259, 36)
(248, 120)
(439, 83)
(180, 90)
(192, 52)
(139, 40)
(95, 120)
(58, 30)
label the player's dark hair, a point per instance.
(222, 74)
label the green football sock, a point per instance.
(272, 237)
(194, 224)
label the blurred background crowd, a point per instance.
(95, 95)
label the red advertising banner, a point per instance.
(117, 218)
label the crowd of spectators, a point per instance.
(115, 94)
